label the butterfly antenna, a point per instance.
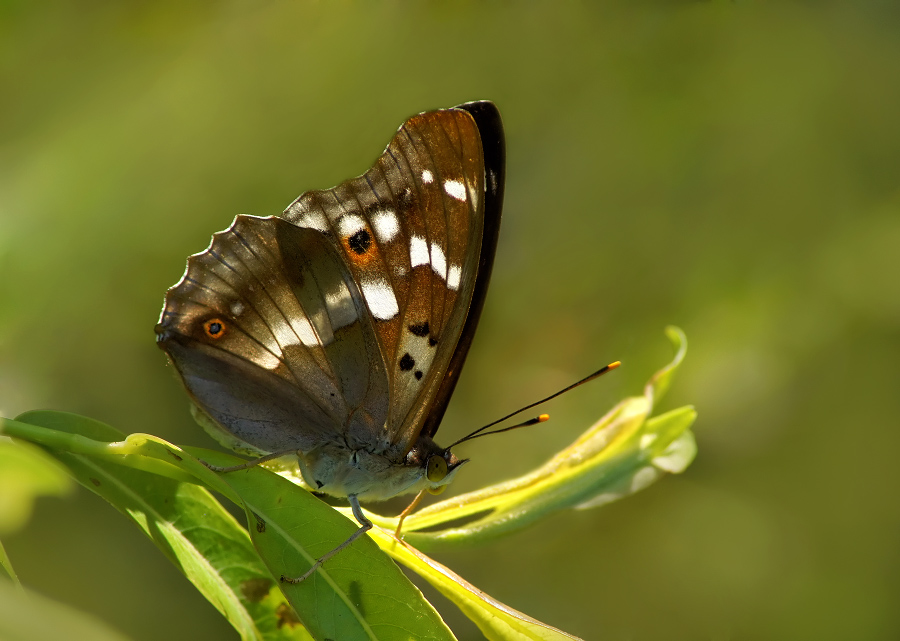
(538, 419)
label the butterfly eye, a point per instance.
(214, 328)
(437, 468)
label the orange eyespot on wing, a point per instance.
(360, 247)
(214, 328)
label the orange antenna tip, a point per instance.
(543, 417)
(613, 365)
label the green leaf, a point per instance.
(495, 620)
(659, 383)
(190, 527)
(365, 594)
(624, 452)
(359, 594)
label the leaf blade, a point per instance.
(188, 525)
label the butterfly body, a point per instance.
(340, 469)
(337, 330)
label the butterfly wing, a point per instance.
(273, 341)
(414, 234)
(490, 127)
(351, 317)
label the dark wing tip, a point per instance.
(493, 141)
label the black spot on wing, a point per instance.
(420, 329)
(360, 241)
(407, 362)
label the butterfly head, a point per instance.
(438, 465)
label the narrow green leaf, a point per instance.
(622, 453)
(659, 383)
(495, 620)
(676, 447)
(357, 594)
(190, 527)
(81, 435)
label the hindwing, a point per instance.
(272, 339)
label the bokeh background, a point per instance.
(732, 168)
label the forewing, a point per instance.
(271, 337)
(410, 230)
(490, 126)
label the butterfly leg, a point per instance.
(409, 508)
(248, 464)
(365, 526)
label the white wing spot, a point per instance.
(427, 177)
(438, 261)
(350, 224)
(418, 252)
(314, 220)
(380, 298)
(237, 308)
(386, 225)
(340, 307)
(455, 189)
(453, 276)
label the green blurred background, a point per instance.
(731, 168)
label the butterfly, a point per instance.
(337, 331)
